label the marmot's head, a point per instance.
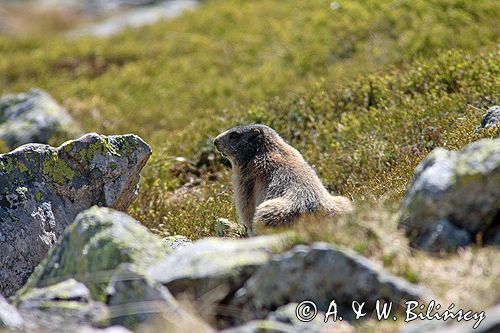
(241, 143)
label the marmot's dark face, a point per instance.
(240, 144)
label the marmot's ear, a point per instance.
(256, 132)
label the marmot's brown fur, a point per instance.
(273, 184)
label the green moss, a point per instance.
(101, 147)
(57, 169)
(21, 167)
(38, 196)
(6, 164)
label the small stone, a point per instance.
(226, 228)
(177, 242)
(491, 117)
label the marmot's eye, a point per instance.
(234, 135)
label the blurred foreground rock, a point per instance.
(44, 188)
(33, 117)
(320, 273)
(62, 306)
(214, 266)
(108, 270)
(94, 276)
(92, 248)
(454, 198)
(9, 316)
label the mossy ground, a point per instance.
(364, 91)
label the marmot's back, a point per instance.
(273, 184)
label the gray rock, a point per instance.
(9, 316)
(319, 273)
(64, 306)
(44, 188)
(135, 18)
(133, 299)
(443, 236)
(215, 267)
(68, 290)
(176, 242)
(491, 117)
(91, 249)
(33, 117)
(453, 196)
(225, 228)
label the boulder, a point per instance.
(214, 267)
(133, 299)
(453, 197)
(320, 273)
(91, 248)
(491, 117)
(64, 305)
(33, 117)
(9, 316)
(44, 188)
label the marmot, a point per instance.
(273, 184)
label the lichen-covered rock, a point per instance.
(225, 228)
(176, 242)
(63, 306)
(319, 273)
(44, 188)
(91, 249)
(134, 299)
(218, 266)
(9, 316)
(454, 196)
(33, 117)
(491, 117)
